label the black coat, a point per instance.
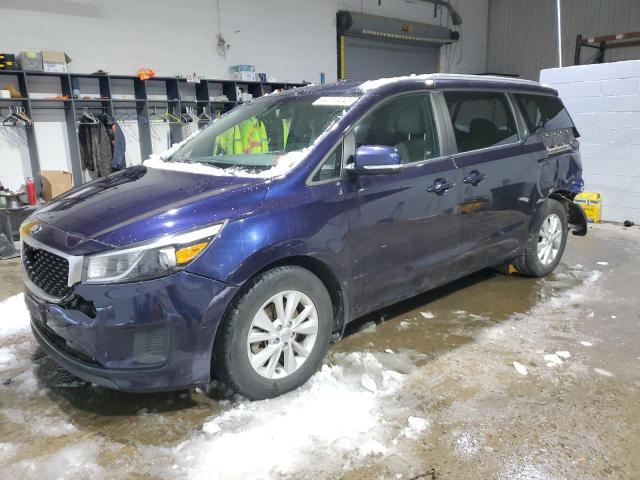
(95, 148)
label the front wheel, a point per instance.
(546, 243)
(276, 335)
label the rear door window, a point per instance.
(481, 119)
(544, 111)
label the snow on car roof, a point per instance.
(438, 79)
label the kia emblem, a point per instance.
(35, 229)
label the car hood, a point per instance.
(142, 203)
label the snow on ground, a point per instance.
(14, 317)
(338, 414)
(350, 412)
(75, 461)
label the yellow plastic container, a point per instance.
(591, 204)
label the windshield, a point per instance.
(255, 136)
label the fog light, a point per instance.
(152, 347)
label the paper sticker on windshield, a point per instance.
(336, 101)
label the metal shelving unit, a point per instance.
(140, 101)
(604, 43)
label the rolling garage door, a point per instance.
(371, 58)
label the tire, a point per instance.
(537, 260)
(265, 300)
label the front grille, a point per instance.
(47, 270)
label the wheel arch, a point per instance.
(322, 271)
(576, 217)
(328, 278)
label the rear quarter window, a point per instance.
(544, 111)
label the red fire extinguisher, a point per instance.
(31, 191)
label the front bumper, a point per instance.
(155, 335)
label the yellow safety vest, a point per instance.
(254, 136)
(229, 142)
(249, 136)
(285, 132)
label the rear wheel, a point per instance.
(546, 243)
(276, 335)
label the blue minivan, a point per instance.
(242, 252)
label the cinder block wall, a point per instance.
(604, 102)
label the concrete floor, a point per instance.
(423, 389)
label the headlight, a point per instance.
(149, 259)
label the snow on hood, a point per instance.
(284, 163)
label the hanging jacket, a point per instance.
(118, 161)
(95, 148)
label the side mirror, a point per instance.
(374, 159)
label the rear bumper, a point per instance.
(141, 337)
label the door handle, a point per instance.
(474, 178)
(440, 186)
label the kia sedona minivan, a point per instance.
(241, 253)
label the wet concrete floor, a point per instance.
(575, 414)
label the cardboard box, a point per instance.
(30, 61)
(591, 203)
(55, 182)
(8, 61)
(55, 62)
(243, 76)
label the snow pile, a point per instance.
(14, 316)
(42, 425)
(325, 424)
(7, 357)
(74, 461)
(7, 450)
(466, 445)
(520, 368)
(415, 426)
(552, 360)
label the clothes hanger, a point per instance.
(16, 116)
(193, 114)
(155, 118)
(126, 117)
(170, 117)
(185, 117)
(87, 118)
(204, 116)
(9, 120)
(21, 113)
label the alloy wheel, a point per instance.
(282, 334)
(549, 239)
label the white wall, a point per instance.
(604, 102)
(290, 40)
